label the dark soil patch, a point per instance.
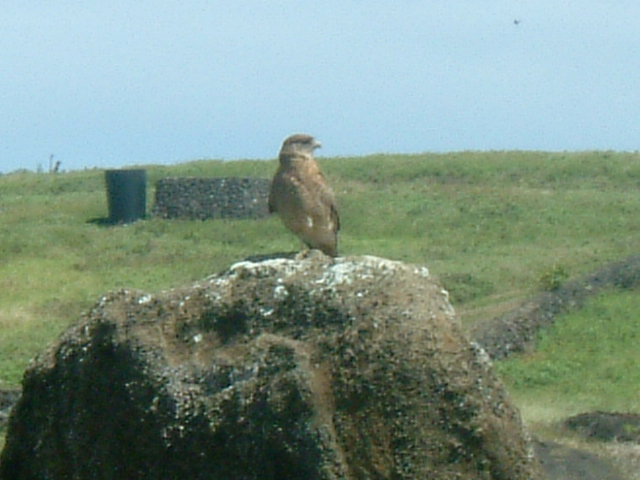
(564, 463)
(608, 427)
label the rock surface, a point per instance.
(8, 398)
(312, 368)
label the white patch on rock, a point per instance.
(447, 308)
(266, 312)
(145, 299)
(422, 271)
(264, 268)
(338, 274)
(345, 271)
(481, 355)
(280, 292)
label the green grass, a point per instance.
(588, 360)
(494, 226)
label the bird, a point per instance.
(301, 196)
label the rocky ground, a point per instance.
(516, 331)
(616, 437)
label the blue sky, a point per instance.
(114, 83)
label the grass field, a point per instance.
(493, 226)
(587, 361)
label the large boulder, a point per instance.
(310, 368)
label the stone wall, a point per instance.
(203, 198)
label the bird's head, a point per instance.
(299, 143)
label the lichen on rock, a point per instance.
(305, 368)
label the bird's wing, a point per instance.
(279, 183)
(327, 201)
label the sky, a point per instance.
(107, 84)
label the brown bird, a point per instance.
(301, 197)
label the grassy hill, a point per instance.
(495, 227)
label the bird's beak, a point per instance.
(316, 144)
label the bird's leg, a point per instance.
(304, 253)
